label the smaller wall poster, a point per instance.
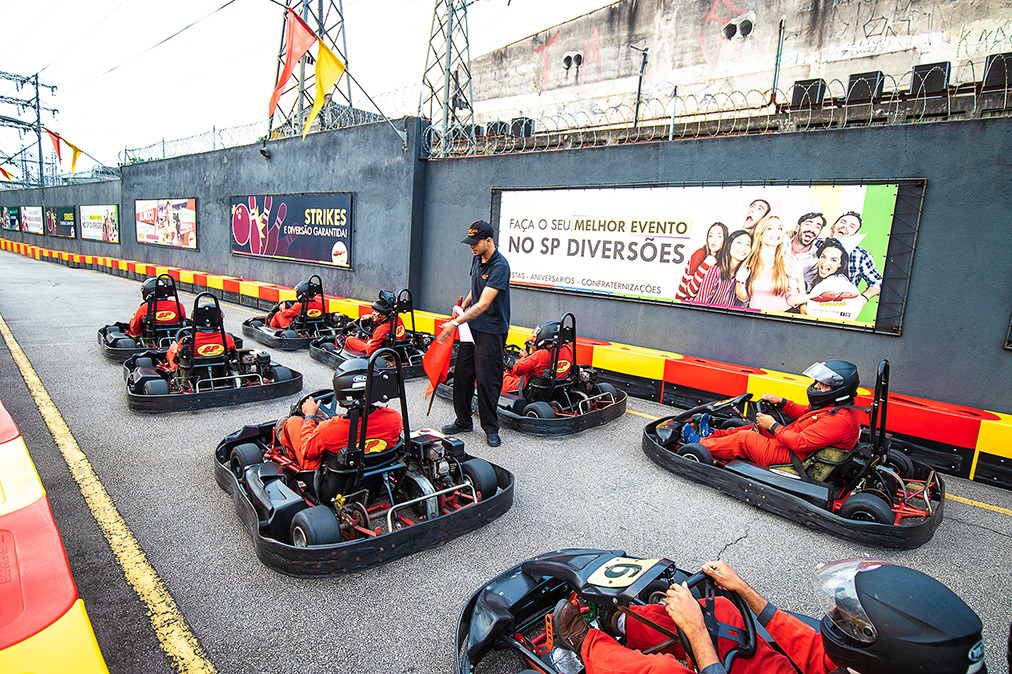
(100, 223)
(61, 222)
(167, 222)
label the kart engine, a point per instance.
(436, 453)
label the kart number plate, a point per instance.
(621, 572)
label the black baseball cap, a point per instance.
(478, 231)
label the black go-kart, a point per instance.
(205, 376)
(873, 493)
(310, 323)
(361, 508)
(509, 620)
(409, 344)
(158, 328)
(560, 405)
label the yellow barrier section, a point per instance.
(284, 294)
(216, 282)
(424, 322)
(68, 645)
(250, 288)
(345, 306)
(19, 481)
(996, 436)
(185, 276)
(633, 360)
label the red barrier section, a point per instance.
(708, 375)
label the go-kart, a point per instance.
(873, 493)
(207, 376)
(409, 345)
(571, 401)
(512, 613)
(310, 323)
(362, 507)
(158, 328)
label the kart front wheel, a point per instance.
(539, 410)
(867, 507)
(482, 477)
(694, 451)
(156, 387)
(243, 456)
(900, 462)
(608, 388)
(315, 526)
(282, 373)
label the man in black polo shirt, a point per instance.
(487, 311)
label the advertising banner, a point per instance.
(61, 222)
(10, 218)
(815, 252)
(100, 223)
(167, 222)
(314, 228)
(31, 219)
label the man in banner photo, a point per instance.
(657, 243)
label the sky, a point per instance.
(220, 72)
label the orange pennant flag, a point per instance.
(298, 39)
(436, 362)
(55, 137)
(329, 69)
(73, 159)
(5, 174)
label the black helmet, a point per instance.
(156, 288)
(886, 619)
(207, 318)
(839, 375)
(349, 381)
(386, 304)
(546, 334)
(308, 289)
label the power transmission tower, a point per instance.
(34, 106)
(447, 94)
(326, 17)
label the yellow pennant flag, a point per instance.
(5, 174)
(329, 69)
(73, 159)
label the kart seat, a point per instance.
(209, 367)
(820, 465)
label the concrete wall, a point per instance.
(960, 294)
(409, 218)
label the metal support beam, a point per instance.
(447, 95)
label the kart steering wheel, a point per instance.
(716, 628)
(511, 355)
(182, 332)
(329, 407)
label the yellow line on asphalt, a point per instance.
(951, 497)
(167, 621)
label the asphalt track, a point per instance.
(222, 610)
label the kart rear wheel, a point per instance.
(900, 462)
(539, 410)
(329, 346)
(289, 334)
(123, 342)
(482, 477)
(282, 373)
(608, 388)
(315, 526)
(694, 451)
(867, 507)
(256, 323)
(243, 456)
(156, 387)
(143, 362)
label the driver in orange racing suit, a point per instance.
(307, 438)
(309, 293)
(168, 310)
(829, 421)
(384, 314)
(537, 363)
(206, 340)
(880, 619)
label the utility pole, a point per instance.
(447, 96)
(33, 104)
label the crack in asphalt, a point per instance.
(748, 529)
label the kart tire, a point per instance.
(482, 476)
(256, 323)
(123, 342)
(608, 388)
(315, 526)
(867, 507)
(733, 423)
(900, 462)
(539, 410)
(143, 362)
(289, 334)
(156, 387)
(329, 346)
(242, 457)
(282, 373)
(694, 451)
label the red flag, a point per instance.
(436, 362)
(298, 39)
(7, 175)
(55, 137)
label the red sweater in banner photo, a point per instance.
(379, 334)
(537, 364)
(308, 439)
(283, 318)
(166, 312)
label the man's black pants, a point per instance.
(481, 361)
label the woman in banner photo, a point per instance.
(701, 261)
(717, 287)
(833, 295)
(768, 280)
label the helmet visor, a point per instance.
(836, 590)
(822, 374)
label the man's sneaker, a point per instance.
(570, 626)
(689, 435)
(705, 430)
(454, 428)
